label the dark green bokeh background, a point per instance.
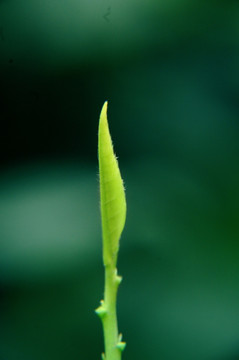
(170, 70)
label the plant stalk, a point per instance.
(109, 321)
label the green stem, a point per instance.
(107, 312)
(110, 326)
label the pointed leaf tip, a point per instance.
(103, 114)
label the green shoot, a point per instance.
(113, 214)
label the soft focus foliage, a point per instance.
(170, 71)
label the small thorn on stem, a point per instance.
(121, 345)
(118, 278)
(101, 310)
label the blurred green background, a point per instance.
(170, 70)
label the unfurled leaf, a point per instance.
(112, 194)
